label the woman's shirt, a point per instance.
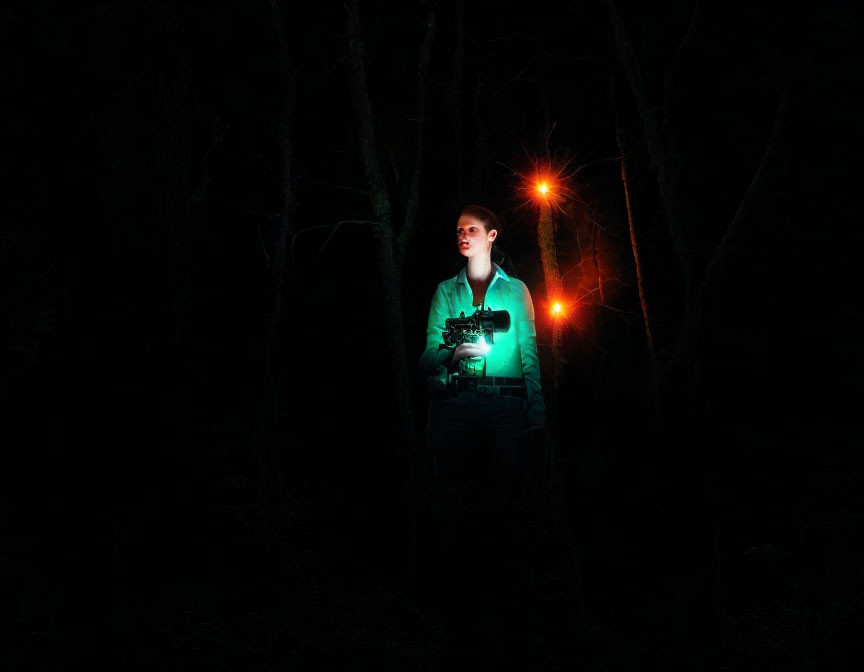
(514, 353)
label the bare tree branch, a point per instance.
(658, 150)
(685, 44)
(690, 331)
(733, 229)
(412, 200)
(381, 210)
(333, 185)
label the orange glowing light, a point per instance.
(563, 311)
(547, 182)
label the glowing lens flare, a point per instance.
(556, 310)
(546, 182)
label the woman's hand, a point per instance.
(466, 350)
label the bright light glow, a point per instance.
(557, 309)
(546, 182)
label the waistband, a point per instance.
(472, 381)
(485, 385)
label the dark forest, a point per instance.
(223, 226)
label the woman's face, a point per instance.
(472, 237)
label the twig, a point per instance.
(259, 213)
(264, 246)
(333, 228)
(269, 168)
(325, 183)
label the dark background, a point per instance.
(152, 519)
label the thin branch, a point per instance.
(333, 228)
(258, 213)
(299, 233)
(338, 63)
(264, 246)
(689, 331)
(614, 309)
(336, 226)
(734, 228)
(333, 185)
(685, 44)
(412, 200)
(219, 130)
(378, 195)
(510, 81)
(270, 168)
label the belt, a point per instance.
(490, 380)
(493, 385)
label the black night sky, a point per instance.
(219, 245)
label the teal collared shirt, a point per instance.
(514, 353)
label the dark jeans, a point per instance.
(476, 437)
(476, 444)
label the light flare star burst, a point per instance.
(545, 183)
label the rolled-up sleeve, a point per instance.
(527, 335)
(434, 358)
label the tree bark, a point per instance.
(455, 107)
(387, 262)
(595, 256)
(481, 159)
(643, 301)
(286, 212)
(412, 200)
(662, 155)
(552, 276)
(555, 488)
(269, 449)
(174, 144)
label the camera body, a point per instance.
(479, 327)
(483, 323)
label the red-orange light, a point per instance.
(557, 310)
(543, 188)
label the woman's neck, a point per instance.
(479, 268)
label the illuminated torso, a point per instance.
(513, 353)
(499, 293)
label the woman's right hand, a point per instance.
(466, 350)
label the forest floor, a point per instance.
(270, 589)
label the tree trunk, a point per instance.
(175, 149)
(380, 201)
(595, 256)
(269, 449)
(662, 155)
(412, 199)
(481, 160)
(455, 107)
(649, 337)
(552, 276)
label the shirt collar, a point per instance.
(498, 272)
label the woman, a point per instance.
(490, 412)
(474, 430)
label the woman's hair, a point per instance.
(490, 221)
